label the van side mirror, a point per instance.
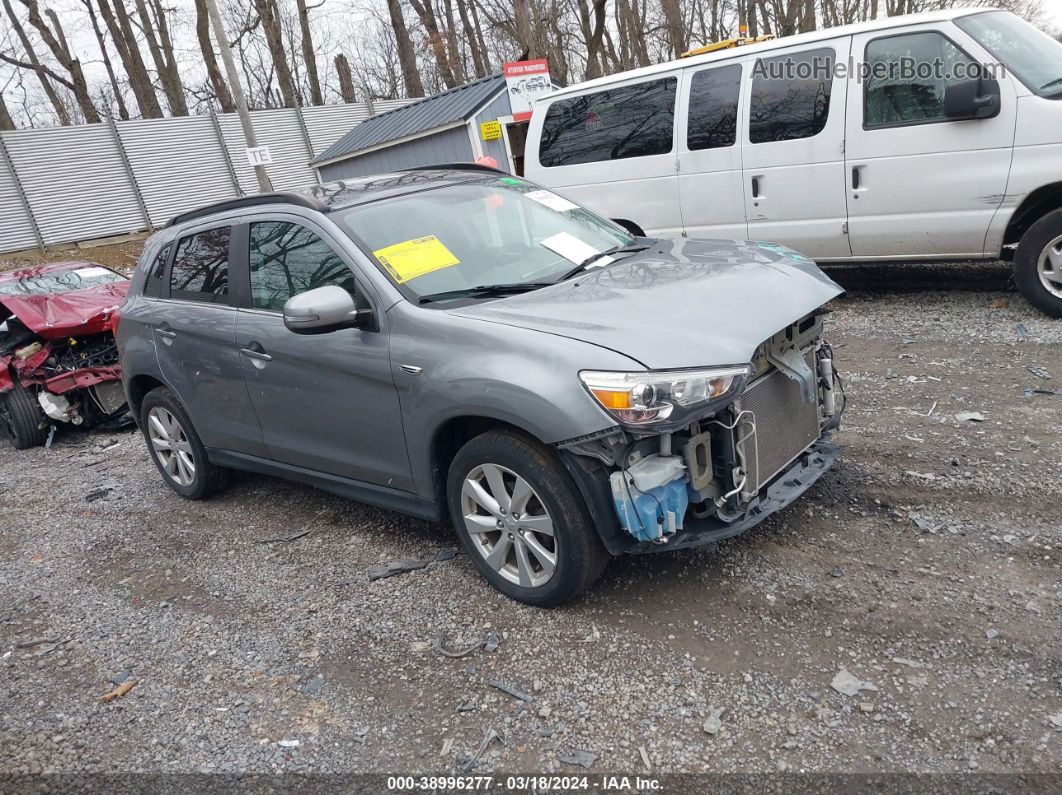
(324, 309)
(977, 98)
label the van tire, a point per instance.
(24, 421)
(580, 556)
(208, 478)
(1027, 276)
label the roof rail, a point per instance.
(301, 199)
(470, 166)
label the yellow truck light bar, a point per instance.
(726, 44)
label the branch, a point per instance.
(38, 69)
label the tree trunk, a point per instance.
(593, 30)
(523, 30)
(407, 59)
(479, 58)
(346, 79)
(36, 67)
(481, 43)
(117, 21)
(452, 50)
(267, 13)
(167, 70)
(119, 99)
(435, 40)
(308, 55)
(676, 31)
(206, 47)
(56, 42)
(6, 122)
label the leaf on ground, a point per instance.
(119, 691)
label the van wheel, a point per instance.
(176, 449)
(1038, 264)
(522, 521)
(22, 418)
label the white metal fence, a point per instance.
(64, 184)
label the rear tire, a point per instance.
(24, 422)
(536, 543)
(1038, 264)
(176, 449)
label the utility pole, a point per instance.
(237, 90)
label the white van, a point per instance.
(932, 136)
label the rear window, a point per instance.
(630, 121)
(54, 282)
(200, 270)
(713, 108)
(790, 96)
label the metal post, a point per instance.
(306, 138)
(129, 172)
(237, 89)
(22, 197)
(225, 152)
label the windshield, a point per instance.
(1033, 56)
(53, 282)
(487, 231)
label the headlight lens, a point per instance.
(655, 396)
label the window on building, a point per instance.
(630, 121)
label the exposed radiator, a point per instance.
(781, 428)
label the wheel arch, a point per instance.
(1035, 206)
(137, 389)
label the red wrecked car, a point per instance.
(58, 361)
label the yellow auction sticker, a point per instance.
(413, 258)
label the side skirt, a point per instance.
(392, 499)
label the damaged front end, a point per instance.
(703, 455)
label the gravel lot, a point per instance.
(926, 564)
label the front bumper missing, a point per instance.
(786, 487)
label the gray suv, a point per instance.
(459, 344)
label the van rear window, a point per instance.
(630, 121)
(713, 108)
(790, 96)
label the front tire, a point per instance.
(22, 418)
(175, 447)
(1038, 264)
(522, 521)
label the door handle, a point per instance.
(755, 187)
(164, 331)
(856, 175)
(258, 355)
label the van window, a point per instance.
(906, 77)
(200, 270)
(630, 121)
(288, 259)
(790, 96)
(713, 108)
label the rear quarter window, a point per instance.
(156, 272)
(630, 121)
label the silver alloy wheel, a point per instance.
(171, 445)
(1049, 267)
(509, 525)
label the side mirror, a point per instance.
(324, 309)
(977, 98)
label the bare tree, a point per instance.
(269, 14)
(116, 17)
(210, 60)
(44, 75)
(161, 49)
(308, 55)
(6, 122)
(116, 90)
(407, 58)
(346, 79)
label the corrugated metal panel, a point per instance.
(498, 107)
(450, 146)
(280, 131)
(178, 164)
(76, 182)
(423, 115)
(328, 123)
(16, 231)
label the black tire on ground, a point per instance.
(25, 423)
(580, 555)
(208, 478)
(1026, 264)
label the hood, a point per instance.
(682, 303)
(72, 313)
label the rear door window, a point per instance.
(288, 259)
(200, 270)
(790, 96)
(630, 121)
(713, 108)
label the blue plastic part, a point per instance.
(650, 515)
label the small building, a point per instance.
(462, 124)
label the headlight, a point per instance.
(657, 396)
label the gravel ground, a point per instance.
(926, 564)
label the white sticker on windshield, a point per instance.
(573, 249)
(552, 200)
(91, 272)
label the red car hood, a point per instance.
(72, 313)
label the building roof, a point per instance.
(431, 113)
(781, 43)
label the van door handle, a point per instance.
(755, 187)
(855, 176)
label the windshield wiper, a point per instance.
(629, 248)
(1049, 84)
(484, 291)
